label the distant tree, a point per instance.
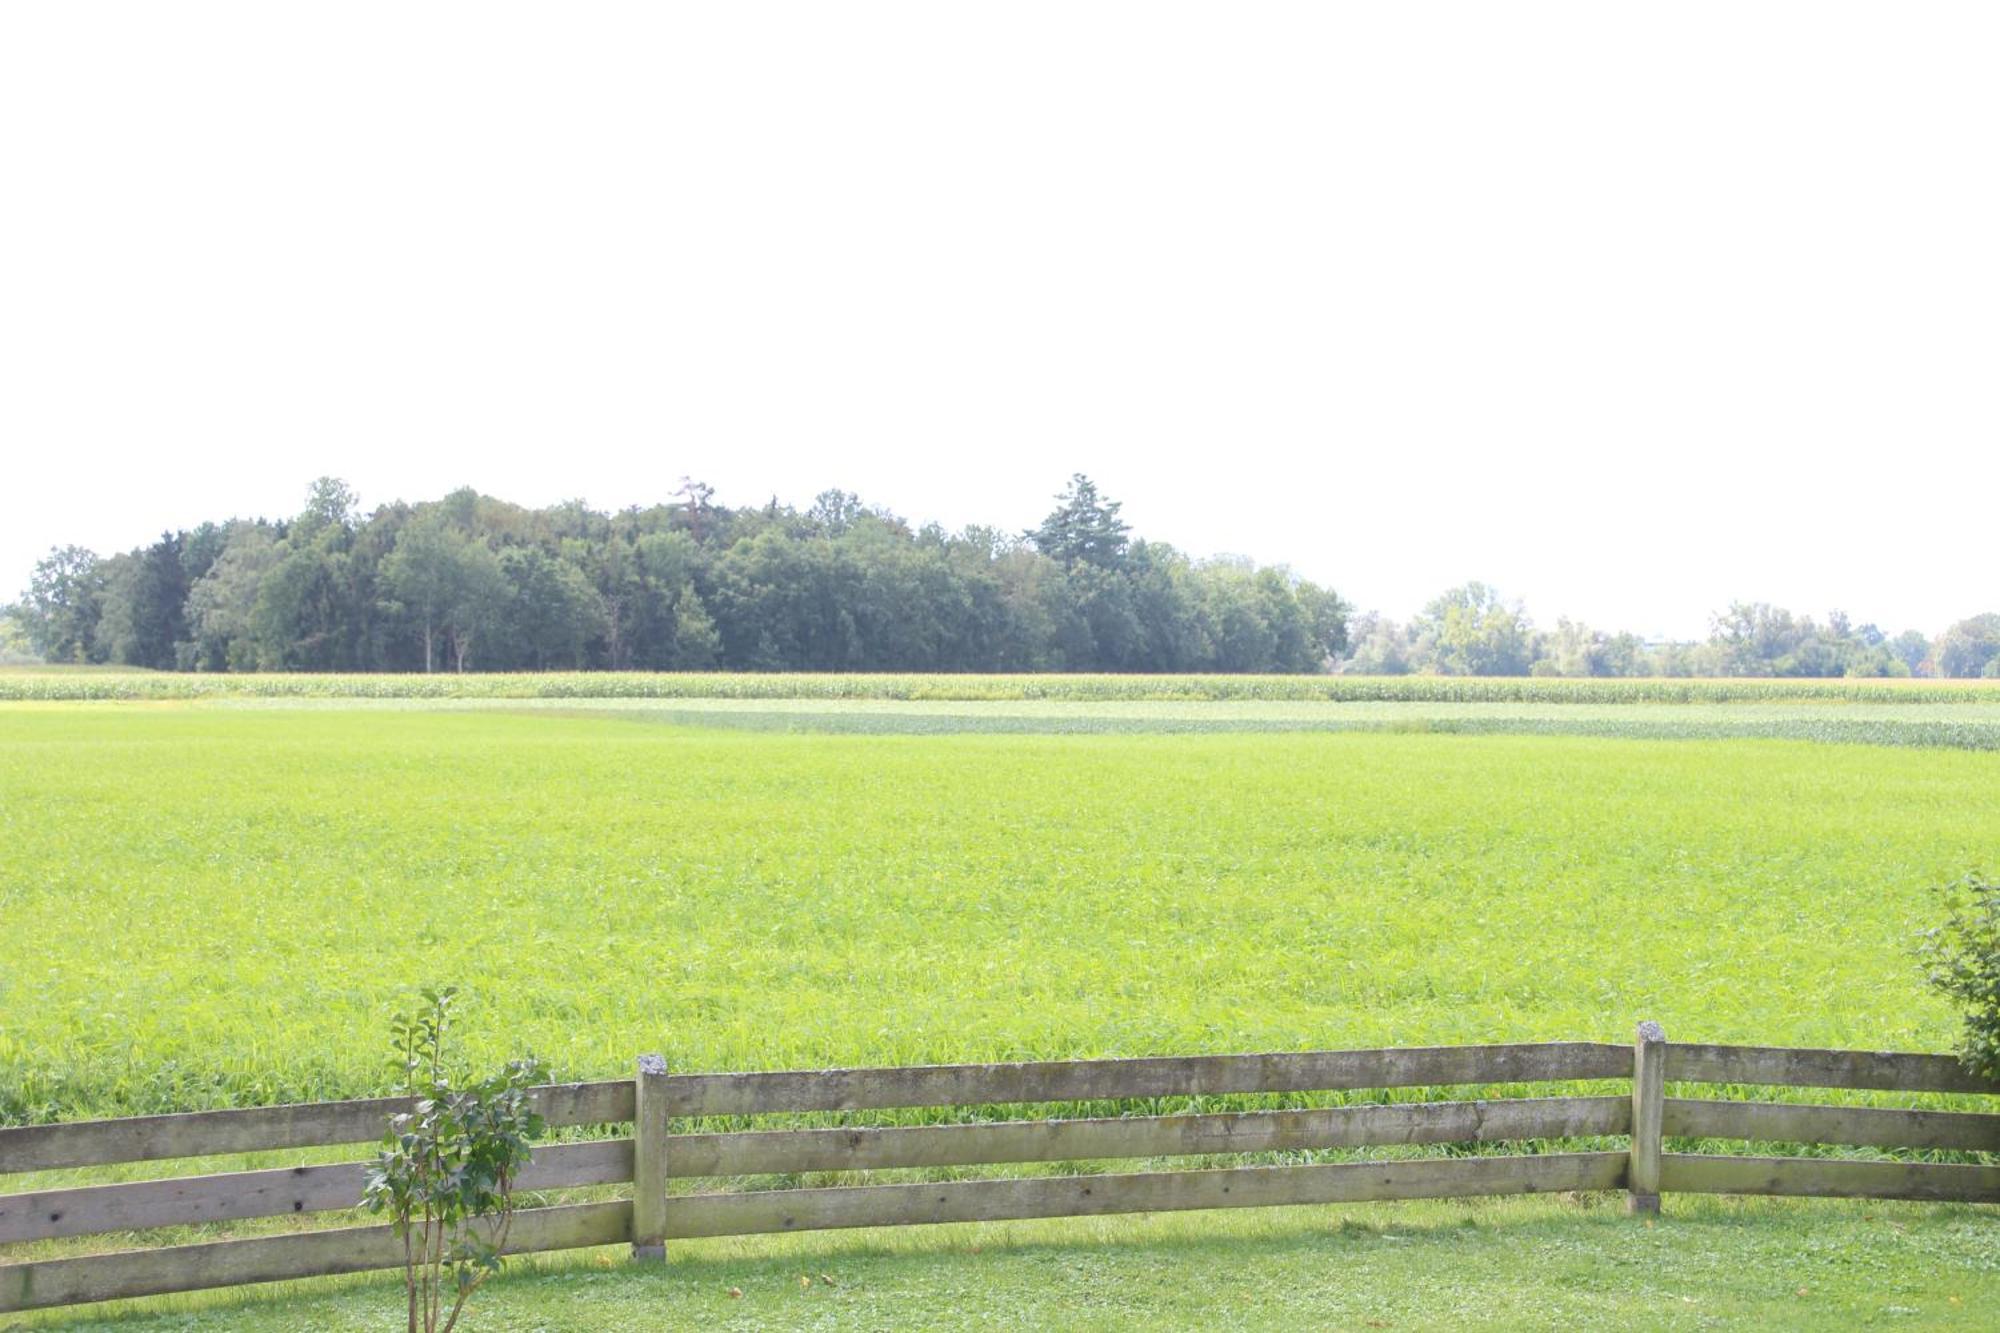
(479, 606)
(1969, 647)
(1573, 649)
(834, 512)
(1380, 647)
(15, 648)
(1083, 528)
(1756, 639)
(551, 610)
(698, 498)
(1469, 631)
(63, 603)
(614, 571)
(141, 617)
(450, 582)
(329, 502)
(1166, 599)
(300, 612)
(1325, 615)
(1912, 648)
(697, 646)
(222, 602)
(309, 614)
(1625, 655)
(1103, 598)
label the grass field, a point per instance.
(213, 903)
(1525, 1263)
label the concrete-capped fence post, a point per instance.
(649, 1160)
(1649, 1099)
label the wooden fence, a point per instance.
(655, 1154)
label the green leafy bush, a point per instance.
(1963, 957)
(446, 1172)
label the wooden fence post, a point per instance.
(649, 1160)
(1649, 1096)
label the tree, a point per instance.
(698, 498)
(450, 582)
(1756, 639)
(1381, 647)
(142, 611)
(1573, 649)
(479, 602)
(697, 645)
(833, 512)
(1969, 647)
(15, 649)
(330, 502)
(1912, 649)
(222, 602)
(1083, 528)
(1326, 624)
(303, 615)
(1469, 631)
(62, 605)
(552, 612)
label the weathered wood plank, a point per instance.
(783, 1151)
(1151, 1192)
(229, 1263)
(1784, 1066)
(1107, 1080)
(86, 1210)
(1859, 1126)
(1827, 1177)
(257, 1129)
(235, 1195)
(1649, 1084)
(652, 1132)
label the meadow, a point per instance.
(218, 902)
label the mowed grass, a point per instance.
(210, 905)
(1517, 1263)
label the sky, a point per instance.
(1630, 311)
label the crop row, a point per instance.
(111, 685)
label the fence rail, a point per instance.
(655, 1154)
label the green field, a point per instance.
(216, 903)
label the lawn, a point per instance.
(1520, 1263)
(212, 904)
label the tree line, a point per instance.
(1471, 631)
(472, 583)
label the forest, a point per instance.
(473, 583)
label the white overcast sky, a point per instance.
(1628, 310)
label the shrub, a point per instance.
(1963, 958)
(446, 1171)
